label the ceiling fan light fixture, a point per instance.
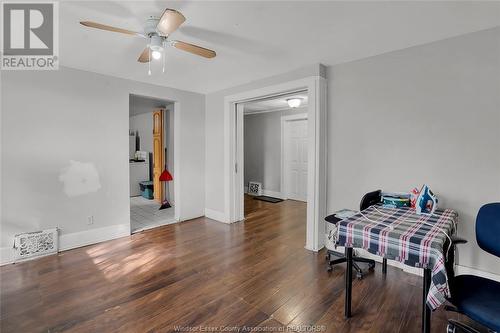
(157, 32)
(294, 102)
(155, 45)
(156, 54)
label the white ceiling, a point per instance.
(257, 39)
(273, 104)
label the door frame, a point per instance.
(284, 121)
(317, 153)
(177, 161)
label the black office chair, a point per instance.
(476, 297)
(369, 199)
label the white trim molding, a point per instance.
(247, 112)
(317, 153)
(274, 194)
(7, 255)
(464, 270)
(177, 161)
(216, 215)
(92, 236)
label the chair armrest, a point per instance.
(457, 240)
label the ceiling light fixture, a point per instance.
(294, 102)
(156, 54)
(156, 45)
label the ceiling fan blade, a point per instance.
(110, 28)
(144, 57)
(170, 20)
(195, 49)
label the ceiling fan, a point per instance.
(157, 31)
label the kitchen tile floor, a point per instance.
(145, 214)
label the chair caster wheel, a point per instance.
(450, 328)
(359, 276)
(329, 269)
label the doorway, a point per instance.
(317, 153)
(151, 162)
(275, 148)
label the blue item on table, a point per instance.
(395, 199)
(426, 202)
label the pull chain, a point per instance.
(149, 62)
(164, 55)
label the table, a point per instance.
(400, 234)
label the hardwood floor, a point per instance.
(205, 273)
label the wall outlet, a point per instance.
(90, 220)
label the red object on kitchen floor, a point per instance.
(166, 176)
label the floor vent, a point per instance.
(254, 188)
(36, 244)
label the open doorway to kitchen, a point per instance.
(275, 154)
(151, 162)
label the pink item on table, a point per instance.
(413, 197)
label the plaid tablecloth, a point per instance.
(400, 234)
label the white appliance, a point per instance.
(139, 171)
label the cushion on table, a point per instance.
(478, 298)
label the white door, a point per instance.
(295, 146)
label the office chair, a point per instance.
(369, 199)
(476, 297)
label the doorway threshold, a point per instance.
(145, 214)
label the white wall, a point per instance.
(52, 117)
(262, 149)
(143, 104)
(144, 124)
(427, 114)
